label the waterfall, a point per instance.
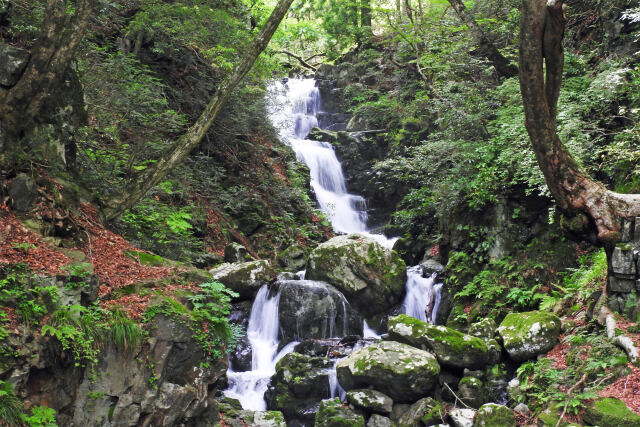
(262, 332)
(423, 295)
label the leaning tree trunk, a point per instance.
(485, 45)
(142, 183)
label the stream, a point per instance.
(294, 105)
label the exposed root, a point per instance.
(606, 319)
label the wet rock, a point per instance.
(451, 347)
(293, 258)
(13, 61)
(379, 421)
(491, 414)
(235, 252)
(610, 412)
(525, 335)
(472, 391)
(245, 278)
(23, 192)
(462, 417)
(287, 275)
(299, 383)
(405, 373)
(371, 276)
(332, 413)
(425, 412)
(314, 310)
(245, 418)
(370, 401)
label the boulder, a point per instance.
(610, 412)
(314, 310)
(492, 414)
(485, 329)
(405, 373)
(472, 391)
(379, 421)
(425, 412)
(332, 413)
(525, 335)
(23, 192)
(13, 61)
(451, 347)
(371, 277)
(206, 259)
(235, 252)
(245, 278)
(462, 417)
(293, 258)
(370, 401)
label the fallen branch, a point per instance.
(566, 405)
(606, 319)
(299, 58)
(457, 398)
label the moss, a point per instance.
(333, 414)
(491, 414)
(611, 412)
(145, 258)
(528, 334)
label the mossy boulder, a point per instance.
(526, 335)
(492, 414)
(370, 401)
(451, 347)
(371, 276)
(472, 391)
(332, 413)
(245, 278)
(293, 258)
(405, 373)
(611, 412)
(379, 421)
(425, 412)
(485, 329)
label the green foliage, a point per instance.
(41, 416)
(20, 289)
(10, 405)
(125, 333)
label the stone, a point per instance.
(636, 233)
(13, 61)
(526, 335)
(610, 412)
(622, 261)
(332, 413)
(617, 284)
(492, 414)
(485, 329)
(293, 258)
(626, 230)
(522, 407)
(472, 391)
(425, 412)
(370, 401)
(245, 278)
(235, 252)
(451, 347)
(462, 417)
(268, 419)
(405, 373)
(23, 192)
(399, 409)
(494, 350)
(371, 276)
(206, 260)
(314, 310)
(379, 421)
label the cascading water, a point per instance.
(423, 295)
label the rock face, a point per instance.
(314, 310)
(370, 401)
(245, 278)
(525, 335)
(405, 373)
(13, 63)
(371, 276)
(299, 383)
(451, 347)
(333, 414)
(492, 414)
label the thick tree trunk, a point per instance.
(541, 33)
(485, 44)
(116, 205)
(365, 14)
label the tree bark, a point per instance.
(300, 59)
(484, 42)
(365, 15)
(141, 184)
(541, 33)
(51, 56)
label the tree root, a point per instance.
(606, 319)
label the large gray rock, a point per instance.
(405, 373)
(462, 417)
(525, 335)
(472, 391)
(622, 261)
(314, 310)
(425, 412)
(332, 413)
(451, 347)
(23, 192)
(235, 252)
(379, 421)
(245, 278)
(370, 401)
(293, 258)
(13, 61)
(371, 277)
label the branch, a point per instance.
(622, 341)
(299, 58)
(566, 405)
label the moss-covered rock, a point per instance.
(472, 391)
(425, 412)
(525, 335)
(485, 329)
(145, 258)
(370, 401)
(244, 278)
(332, 413)
(492, 414)
(293, 258)
(371, 277)
(379, 421)
(405, 373)
(451, 347)
(611, 412)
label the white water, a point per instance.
(423, 295)
(262, 332)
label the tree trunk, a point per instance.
(485, 44)
(541, 33)
(365, 15)
(141, 184)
